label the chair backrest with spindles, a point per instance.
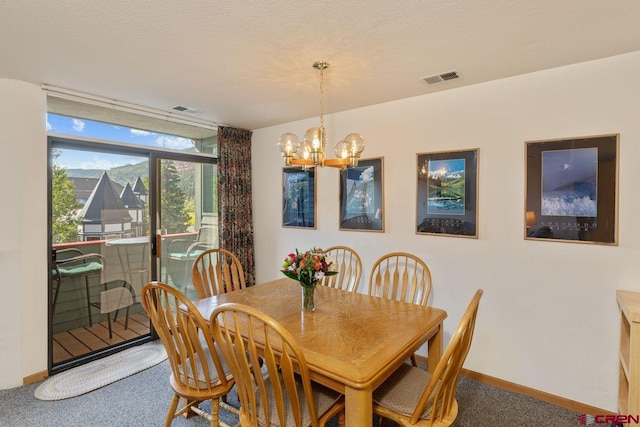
(349, 268)
(197, 370)
(440, 392)
(280, 393)
(402, 277)
(217, 271)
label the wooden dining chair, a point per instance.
(413, 397)
(215, 272)
(402, 277)
(198, 373)
(281, 393)
(349, 268)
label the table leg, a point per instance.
(435, 349)
(358, 406)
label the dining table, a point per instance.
(352, 342)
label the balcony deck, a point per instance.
(77, 342)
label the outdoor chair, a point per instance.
(115, 296)
(181, 253)
(72, 264)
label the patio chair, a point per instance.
(115, 296)
(72, 264)
(181, 253)
(413, 397)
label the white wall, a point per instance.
(23, 246)
(548, 319)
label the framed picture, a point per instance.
(571, 190)
(299, 198)
(362, 196)
(447, 193)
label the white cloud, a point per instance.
(173, 142)
(138, 132)
(49, 127)
(78, 125)
(97, 163)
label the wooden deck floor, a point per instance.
(77, 342)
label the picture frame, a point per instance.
(447, 193)
(571, 189)
(362, 196)
(299, 189)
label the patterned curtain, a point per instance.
(235, 213)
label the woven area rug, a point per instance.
(99, 373)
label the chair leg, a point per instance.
(414, 361)
(109, 323)
(215, 410)
(172, 410)
(86, 285)
(126, 319)
(55, 298)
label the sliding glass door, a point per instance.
(105, 201)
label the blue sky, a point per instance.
(74, 159)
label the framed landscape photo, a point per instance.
(571, 189)
(299, 198)
(447, 193)
(362, 196)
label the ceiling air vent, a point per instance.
(184, 109)
(442, 77)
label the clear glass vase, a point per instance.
(308, 298)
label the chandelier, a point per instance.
(312, 150)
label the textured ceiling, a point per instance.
(249, 63)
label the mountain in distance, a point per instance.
(121, 174)
(129, 173)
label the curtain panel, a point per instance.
(235, 212)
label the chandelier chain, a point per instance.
(322, 98)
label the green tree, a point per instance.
(64, 206)
(175, 217)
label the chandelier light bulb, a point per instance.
(343, 150)
(288, 144)
(316, 137)
(305, 150)
(356, 142)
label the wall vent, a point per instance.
(183, 109)
(440, 78)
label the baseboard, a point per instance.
(562, 402)
(34, 378)
(537, 394)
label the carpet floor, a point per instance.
(143, 399)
